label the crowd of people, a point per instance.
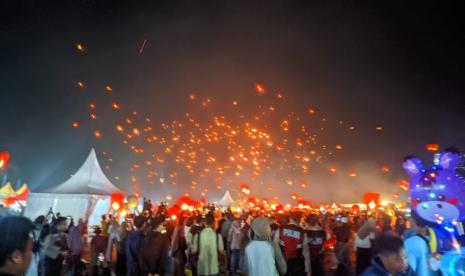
(215, 242)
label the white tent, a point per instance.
(87, 194)
(227, 199)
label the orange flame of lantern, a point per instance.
(385, 169)
(4, 159)
(432, 147)
(311, 110)
(80, 48)
(260, 88)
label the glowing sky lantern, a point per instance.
(332, 169)
(352, 173)
(80, 48)
(403, 184)
(432, 147)
(311, 110)
(117, 201)
(385, 169)
(108, 88)
(92, 106)
(115, 106)
(119, 128)
(304, 204)
(132, 201)
(93, 116)
(136, 131)
(4, 160)
(355, 209)
(285, 125)
(75, 124)
(379, 128)
(260, 88)
(81, 84)
(115, 206)
(97, 133)
(245, 189)
(371, 200)
(192, 146)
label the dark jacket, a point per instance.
(342, 233)
(133, 245)
(377, 269)
(154, 253)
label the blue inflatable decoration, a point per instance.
(437, 195)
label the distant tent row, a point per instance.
(86, 195)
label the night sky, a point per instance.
(398, 65)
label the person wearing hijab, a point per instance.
(261, 256)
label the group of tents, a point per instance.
(86, 194)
